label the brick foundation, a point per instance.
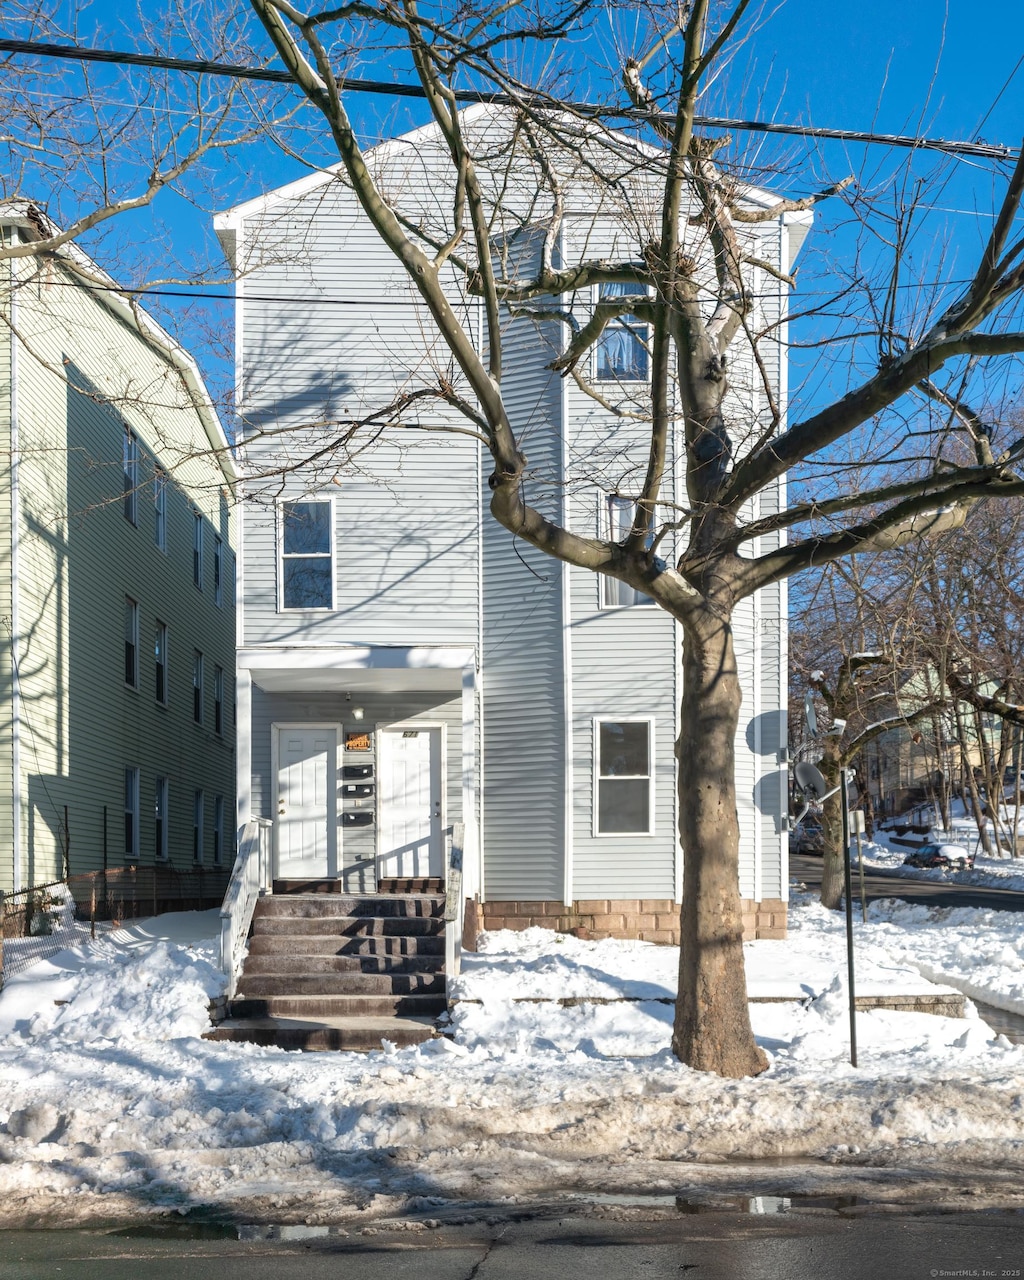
(649, 919)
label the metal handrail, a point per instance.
(250, 878)
(453, 904)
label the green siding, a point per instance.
(83, 375)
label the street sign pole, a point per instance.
(844, 797)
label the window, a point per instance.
(618, 522)
(198, 802)
(218, 830)
(160, 662)
(623, 783)
(160, 816)
(218, 562)
(131, 815)
(130, 459)
(197, 687)
(160, 507)
(620, 354)
(197, 549)
(307, 561)
(131, 643)
(232, 579)
(218, 700)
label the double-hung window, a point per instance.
(130, 465)
(619, 513)
(621, 352)
(131, 643)
(131, 815)
(160, 662)
(623, 782)
(197, 549)
(306, 536)
(198, 804)
(160, 817)
(160, 507)
(218, 700)
(197, 687)
(218, 570)
(218, 830)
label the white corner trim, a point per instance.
(16, 882)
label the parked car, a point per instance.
(947, 857)
(807, 837)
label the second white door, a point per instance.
(411, 803)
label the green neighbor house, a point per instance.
(117, 571)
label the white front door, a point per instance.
(411, 803)
(306, 820)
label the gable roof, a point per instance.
(30, 220)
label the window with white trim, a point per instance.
(197, 549)
(131, 815)
(621, 352)
(161, 832)
(619, 514)
(198, 804)
(306, 541)
(131, 643)
(160, 662)
(218, 830)
(218, 570)
(218, 700)
(160, 507)
(623, 780)
(130, 465)
(197, 687)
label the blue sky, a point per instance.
(919, 67)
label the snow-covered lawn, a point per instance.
(111, 1104)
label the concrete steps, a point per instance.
(334, 970)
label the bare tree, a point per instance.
(700, 229)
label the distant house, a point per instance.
(404, 662)
(116, 582)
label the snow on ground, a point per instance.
(111, 1104)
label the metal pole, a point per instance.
(845, 807)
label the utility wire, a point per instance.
(979, 150)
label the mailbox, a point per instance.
(357, 818)
(356, 790)
(351, 772)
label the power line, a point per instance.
(978, 150)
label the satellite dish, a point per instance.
(809, 713)
(809, 779)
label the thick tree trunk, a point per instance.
(712, 1025)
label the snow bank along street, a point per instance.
(558, 1078)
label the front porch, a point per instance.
(361, 758)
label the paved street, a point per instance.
(717, 1246)
(885, 884)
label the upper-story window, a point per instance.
(218, 569)
(131, 643)
(621, 352)
(197, 687)
(218, 700)
(160, 662)
(306, 537)
(130, 464)
(160, 507)
(619, 514)
(197, 549)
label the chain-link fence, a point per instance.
(38, 922)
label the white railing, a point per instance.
(250, 877)
(453, 904)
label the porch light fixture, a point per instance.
(357, 713)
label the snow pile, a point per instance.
(110, 1104)
(991, 873)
